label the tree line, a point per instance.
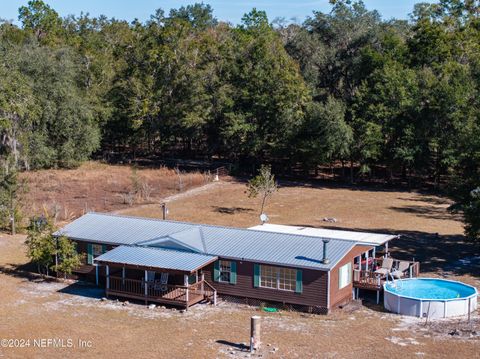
(390, 98)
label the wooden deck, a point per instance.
(369, 280)
(177, 295)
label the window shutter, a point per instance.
(256, 275)
(233, 272)
(216, 271)
(104, 248)
(299, 283)
(89, 253)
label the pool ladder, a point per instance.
(394, 282)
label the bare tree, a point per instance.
(263, 185)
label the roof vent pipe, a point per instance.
(325, 260)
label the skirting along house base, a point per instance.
(181, 264)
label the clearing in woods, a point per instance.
(100, 187)
(33, 308)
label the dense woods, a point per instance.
(383, 99)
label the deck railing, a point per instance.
(167, 293)
(368, 279)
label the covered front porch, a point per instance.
(156, 275)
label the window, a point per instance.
(97, 250)
(93, 251)
(345, 275)
(225, 271)
(278, 278)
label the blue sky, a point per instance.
(227, 10)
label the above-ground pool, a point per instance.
(429, 297)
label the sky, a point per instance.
(225, 10)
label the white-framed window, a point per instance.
(344, 275)
(97, 250)
(225, 268)
(278, 278)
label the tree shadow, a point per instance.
(427, 212)
(25, 271)
(435, 252)
(231, 210)
(363, 186)
(428, 199)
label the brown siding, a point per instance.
(314, 287)
(87, 271)
(344, 295)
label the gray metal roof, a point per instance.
(106, 228)
(227, 242)
(156, 257)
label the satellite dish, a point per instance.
(263, 218)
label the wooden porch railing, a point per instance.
(163, 293)
(368, 279)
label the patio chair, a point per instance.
(164, 282)
(400, 271)
(386, 267)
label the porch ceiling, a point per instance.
(156, 258)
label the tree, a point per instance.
(263, 185)
(471, 212)
(11, 191)
(325, 136)
(41, 19)
(68, 258)
(49, 252)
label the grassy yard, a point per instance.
(33, 308)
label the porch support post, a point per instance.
(386, 249)
(107, 272)
(96, 274)
(366, 261)
(185, 282)
(378, 296)
(123, 275)
(374, 252)
(146, 283)
(202, 278)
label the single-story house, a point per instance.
(179, 263)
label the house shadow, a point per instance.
(83, 289)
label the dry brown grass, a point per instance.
(45, 310)
(367, 209)
(99, 187)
